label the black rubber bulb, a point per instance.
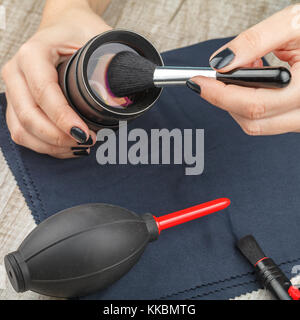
(87, 248)
(80, 250)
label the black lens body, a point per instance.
(73, 79)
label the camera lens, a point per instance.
(97, 74)
(83, 80)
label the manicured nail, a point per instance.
(222, 59)
(193, 86)
(79, 148)
(82, 153)
(90, 142)
(78, 134)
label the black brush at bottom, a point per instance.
(268, 272)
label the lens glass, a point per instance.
(97, 71)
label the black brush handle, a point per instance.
(268, 77)
(272, 277)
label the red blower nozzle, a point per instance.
(179, 217)
(87, 248)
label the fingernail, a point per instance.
(82, 153)
(193, 86)
(79, 148)
(78, 134)
(222, 59)
(90, 142)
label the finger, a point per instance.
(250, 103)
(255, 64)
(63, 156)
(289, 56)
(21, 137)
(91, 140)
(70, 155)
(287, 122)
(31, 117)
(256, 42)
(42, 80)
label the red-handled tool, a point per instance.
(268, 272)
(179, 217)
(87, 248)
(294, 292)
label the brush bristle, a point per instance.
(129, 73)
(250, 249)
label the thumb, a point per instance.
(256, 42)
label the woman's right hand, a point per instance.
(38, 115)
(259, 111)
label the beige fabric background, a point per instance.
(168, 24)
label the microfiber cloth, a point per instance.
(197, 260)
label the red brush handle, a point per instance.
(294, 293)
(175, 218)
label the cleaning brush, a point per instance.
(129, 73)
(268, 272)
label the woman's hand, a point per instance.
(259, 111)
(38, 115)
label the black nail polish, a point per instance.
(82, 153)
(79, 148)
(90, 142)
(193, 86)
(78, 134)
(222, 59)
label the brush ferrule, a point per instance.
(172, 76)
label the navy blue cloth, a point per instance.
(197, 260)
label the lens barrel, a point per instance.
(73, 79)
